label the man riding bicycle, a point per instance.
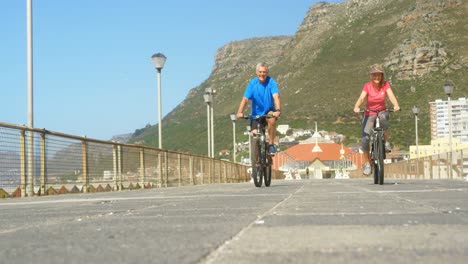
(264, 93)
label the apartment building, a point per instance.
(440, 112)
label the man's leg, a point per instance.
(272, 134)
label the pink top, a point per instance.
(375, 98)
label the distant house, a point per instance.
(224, 152)
(302, 132)
(332, 156)
(282, 129)
(316, 169)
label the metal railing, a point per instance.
(42, 162)
(445, 165)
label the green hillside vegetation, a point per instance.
(322, 68)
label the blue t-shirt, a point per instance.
(261, 95)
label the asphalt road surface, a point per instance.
(305, 221)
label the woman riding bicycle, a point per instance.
(374, 92)
(264, 94)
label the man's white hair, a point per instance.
(261, 64)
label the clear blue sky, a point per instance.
(93, 74)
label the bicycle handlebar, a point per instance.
(256, 117)
(377, 111)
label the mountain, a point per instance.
(321, 70)
(122, 137)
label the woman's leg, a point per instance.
(367, 125)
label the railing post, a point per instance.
(84, 160)
(142, 167)
(220, 173)
(30, 170)
(449, 172)
(462, 164)
(438, 165)
(114, 165)
(23, 162)
(431, 171)
(202, 161)
(119, 167)
(166, 169)
(179, 166)
(191, 170)
(43, 187)
(160, 184)
(211, 169)
(225, 173)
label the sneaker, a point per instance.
(367, 168)
(388, 147)
(272, 149)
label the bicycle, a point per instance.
(377, 151)
(261, 161)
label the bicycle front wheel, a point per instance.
(373, 157)
(257, 169)
(379, 154)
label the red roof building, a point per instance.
(305, 153)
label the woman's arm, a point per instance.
(359, 102)
(391, 96)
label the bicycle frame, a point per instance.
(377, 147)
(261, 161)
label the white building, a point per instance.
(282, 129)
(440, 119)
(438, 146)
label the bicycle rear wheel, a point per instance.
(268, 172)
(376, 171)
(381, 161)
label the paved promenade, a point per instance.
(318, 221)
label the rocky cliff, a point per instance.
(321, 69)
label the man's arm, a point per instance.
(240, 111)
(277, 101)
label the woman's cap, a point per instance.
(376, 68)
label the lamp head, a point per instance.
(210, 90)
(208, 98)
(233, 117)
(448, 89)
(158, 60)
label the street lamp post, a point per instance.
(233, 119)
(212, 93)
(158, 61)
(208, 99)
(416, 112)
(30, 157)
(448, 89)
